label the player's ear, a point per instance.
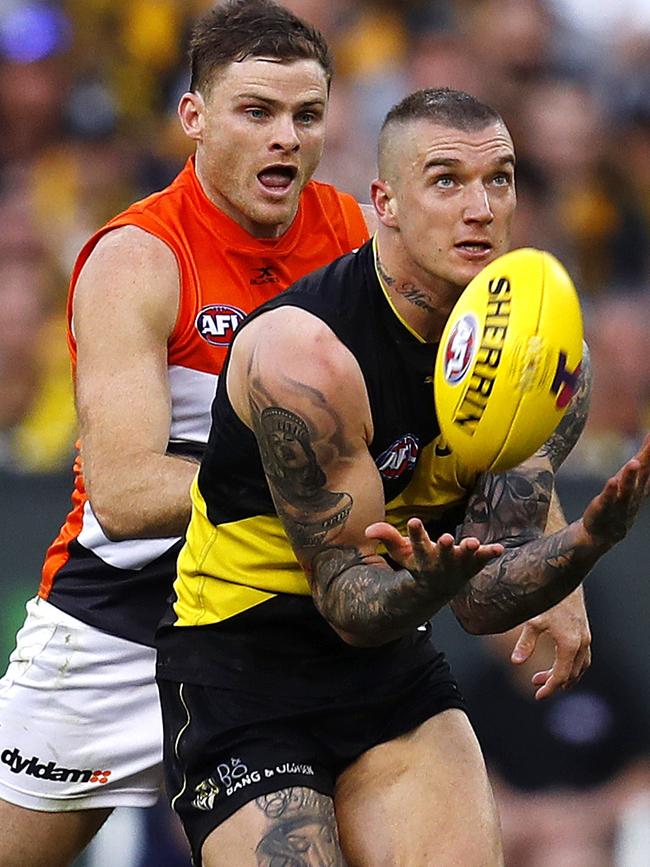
(191, 111)
(383, 198)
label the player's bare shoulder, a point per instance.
(292, 356)
(129, 270)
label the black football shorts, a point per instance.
(225, 747)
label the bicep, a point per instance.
(521, 504)
(511, 507)
(307, 405)
(566, 435)
(556, 518)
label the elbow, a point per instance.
(115, 523)
(114, 529)
(471, 622)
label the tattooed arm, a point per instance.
(302, 393)
(538, 571)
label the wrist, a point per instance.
(589, 540)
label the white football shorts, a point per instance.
(80, 720)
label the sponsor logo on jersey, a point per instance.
(565, 382)
(398, 458)
(36, 767)
(460, 348)
(264, 275)
(217, 323)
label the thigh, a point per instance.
(30, 838)
(421, 799)
(287, 827)
(230, 755)
(79, 718)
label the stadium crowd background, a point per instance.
(88, 94)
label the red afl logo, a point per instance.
(217, 323)
(460, 348)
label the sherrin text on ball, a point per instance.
(509, 360)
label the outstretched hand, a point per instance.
(607, 519)
(611, 513)
(567, 624)
(442, 561)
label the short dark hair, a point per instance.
(440, 105)
(237, 29)
(443, 105)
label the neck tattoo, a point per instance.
(408, 291)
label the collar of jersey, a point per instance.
(384, 289)
(232, 233)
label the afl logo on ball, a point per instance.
(217, 323)
(461, 348)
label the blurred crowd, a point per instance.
(88, 93)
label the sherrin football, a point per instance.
(508, 360)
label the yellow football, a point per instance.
(508, 360)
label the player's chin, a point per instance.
(467, 267)
(278, 212)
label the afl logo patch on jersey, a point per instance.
(398, 458)
(460, 348)
(217, 323)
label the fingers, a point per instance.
(397, 546)
(469, 552)
(611, 513)
(384, 532)
(526, 644)
(547, 683)
(570, 664)
(417, 550)
(643, 455)
(420, 538)
(635, 474)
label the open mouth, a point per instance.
(277, 178)
(474, 248)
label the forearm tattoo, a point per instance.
(370, 599)
(567, 434)
(512, 508)
(523, 582)
(302, 830)
(536, 571)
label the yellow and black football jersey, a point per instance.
(237, 573)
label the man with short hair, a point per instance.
(308, 716)
(155, 297)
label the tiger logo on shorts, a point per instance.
(206, 792)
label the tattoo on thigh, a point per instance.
(302, 830)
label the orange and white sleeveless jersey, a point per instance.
(121, 587)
